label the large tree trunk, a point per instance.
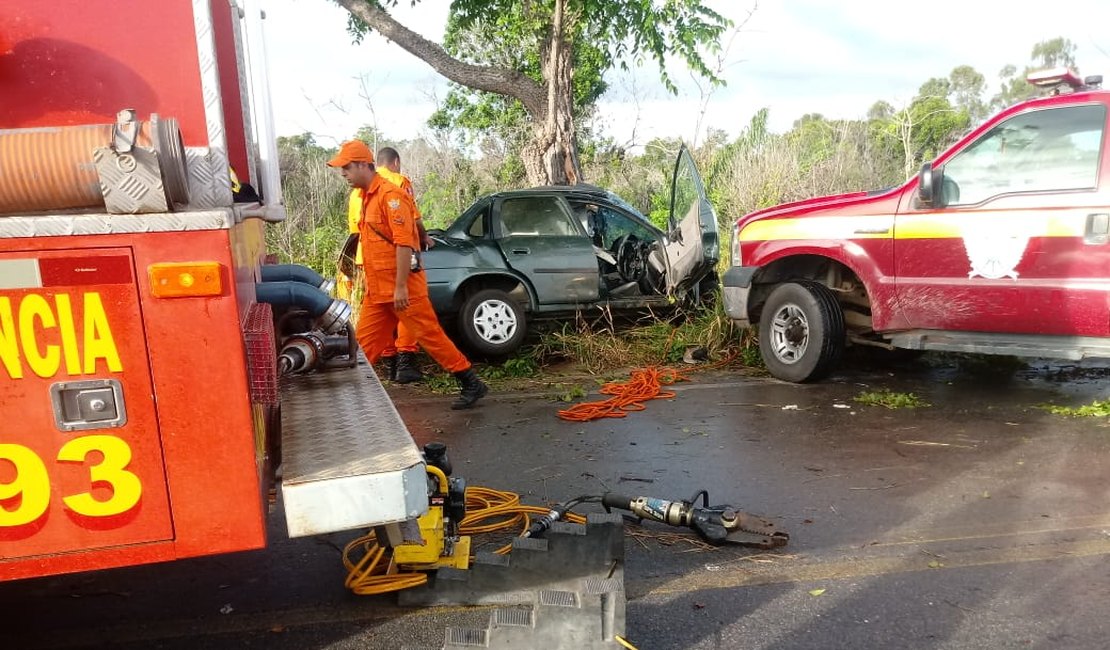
(551, 157)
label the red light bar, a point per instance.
(1054, 77)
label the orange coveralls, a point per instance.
(388, 213)
(406, 340)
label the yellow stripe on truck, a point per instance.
(871, 227)
(1031, 223)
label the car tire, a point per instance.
(801, 331)
(491, 323)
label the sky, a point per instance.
(794, 57)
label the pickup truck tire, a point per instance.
(801, 331)
(491, 323)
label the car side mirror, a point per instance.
(930, 186)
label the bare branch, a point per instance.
(722, 62)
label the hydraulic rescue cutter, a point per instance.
(717, 525)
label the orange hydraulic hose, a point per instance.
(646, 384)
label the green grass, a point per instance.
(602, 344)
(1096, 409)
(606, 349)
(888, 399)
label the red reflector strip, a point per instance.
(84, 271)
(20, 274)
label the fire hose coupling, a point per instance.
(332, 315)
(310, 351)
(717, 525)
(336, 317)
(300, 353)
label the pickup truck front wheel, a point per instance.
(801, 331)
(491, 323)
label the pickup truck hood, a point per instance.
(798, 207)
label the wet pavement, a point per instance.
(980, 521)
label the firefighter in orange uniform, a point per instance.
(394, 291)
(401, 356)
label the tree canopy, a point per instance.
(548, 58)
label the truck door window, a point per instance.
(1046, 150)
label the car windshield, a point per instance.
(618, 201)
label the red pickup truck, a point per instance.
(999, 246)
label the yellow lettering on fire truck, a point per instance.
(26, 328)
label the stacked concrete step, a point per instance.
(564, 590)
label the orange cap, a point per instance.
(352, 151)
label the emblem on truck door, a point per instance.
(994, 254)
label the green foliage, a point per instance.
(441, 383)
(508, 39)
(1096, 409)
(518, 367)
(937, 124)
(1052, 53)
(966, 92)
(316, 206)
(516, 41)
(569, 393)
(617, 28)
(888, 399)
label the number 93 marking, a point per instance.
(32, 481)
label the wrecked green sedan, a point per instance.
(553, 252)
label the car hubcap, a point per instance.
(789, 334)
(495, 322)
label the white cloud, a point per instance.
(793, 57)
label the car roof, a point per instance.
(580, 188)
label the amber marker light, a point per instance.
(185, 279)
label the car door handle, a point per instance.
(872, 231)
(1098, 229)
(521, 251)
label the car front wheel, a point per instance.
(801, 331)
(491, 323)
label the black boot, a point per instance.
(471, 389)
(390, 364)
(407, 370)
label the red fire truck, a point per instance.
(999, 246)
(141, 336)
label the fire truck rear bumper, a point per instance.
(736, 286)
(348, 461)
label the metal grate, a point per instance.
(258, 336)
(468, 637)
(515, 617)
(603, 585)
(558, 598)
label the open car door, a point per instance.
(692, 246)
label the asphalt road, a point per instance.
(980, 521)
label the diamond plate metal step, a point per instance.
(348, 461)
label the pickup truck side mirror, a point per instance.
(930, 186)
